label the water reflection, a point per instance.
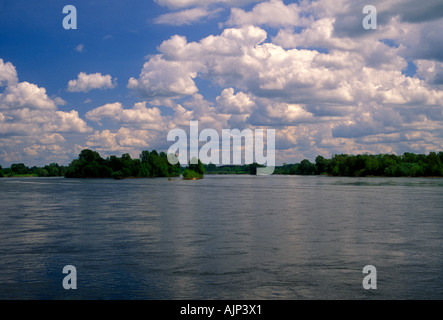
(223, 237)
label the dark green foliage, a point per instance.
(252, 168)
(322, 165)
(305, 168)
(191, 175)
(19, 169)
(197, 167)
(194, 170)
(232, 169)
(226, 169)
(151, 164)
(390, 165)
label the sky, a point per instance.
(134, 70)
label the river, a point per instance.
(222, 237)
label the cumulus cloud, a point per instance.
(231, 103)
(31, 126)
(8, 74)
(431, 71)
(323, 79)
(185, 17)
(139, 115)
(123, 140)
(172, 73)
(273, 13)
(87, 82)
(162, 78)
(308, 69)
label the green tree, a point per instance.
(144, 156)
(197, 167)
(88, 165)
(19, 168)
(372, 165)
(53, 170)
(90, 156)
(252, 168)
(194, 170)
(306, 168)
(322, 165)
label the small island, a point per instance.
(194, 171)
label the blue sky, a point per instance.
(134, 70)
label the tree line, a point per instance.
(153, 164)
(20, 170)
(90, 164)
(150, 164)
(388, 165)
(232, 169)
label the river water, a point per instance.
(223, 237)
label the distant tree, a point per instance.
(19, 168)
(409, 157)
(252, 168)
(371, 164)
(197, 167)
(144, 156)
(322, 165)
(153, 164)
(41, 172)
(86, 166)
(1, 172)
(306, 168)
(194, 170)
(53, 170)
(191, 175)
(90, 156)
(210, 167)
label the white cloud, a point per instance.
(343, 86)
(31, 127)
(273, 13)
(70, 122)
(431, 71)
(59, 101)
(162, 78)
(324, 82)
(185, 17)
(124, 140)
(80, 47)
(87, 82)
(8, 74)
(25, 95)
(231, 103)
(139, 116)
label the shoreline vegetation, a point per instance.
(152, 164)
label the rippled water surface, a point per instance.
(223, 237)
